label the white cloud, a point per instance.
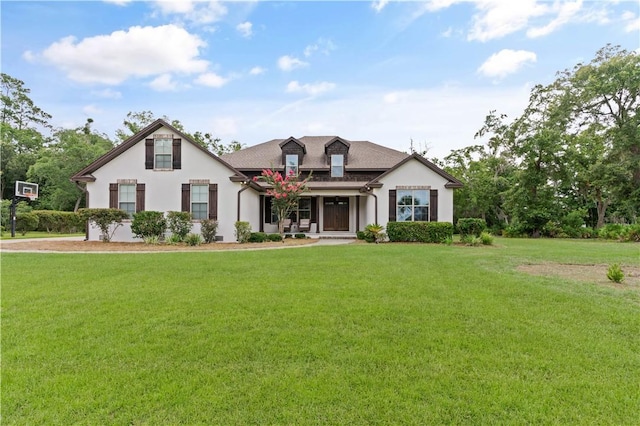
(378, 5)
(107, 94)
(245, 29)
(288, 63)
(310, 89)
(195, 11)
(211, 79)
(257, 71)
(164, 83)
(498, 18)
(137, 52)
(506, 62)
(323, 46)
(224, 126)
(631, 22)
(566, 11)
(91, 110)
(118, 2)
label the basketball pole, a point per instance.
(13, 216)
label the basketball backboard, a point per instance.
(26, 189)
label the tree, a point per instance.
(602, 101)
(21, 124)
(286, 192)
(70, 151)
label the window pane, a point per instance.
(337, 165)
(127, 193)
(199, 193)
(421, 197)
(199, 210)
(421, 214)
(163, 149)
(404, 214)
(404, 198)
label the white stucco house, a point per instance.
(354, 183)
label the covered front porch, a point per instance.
(332, 213)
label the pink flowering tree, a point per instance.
(285, 190)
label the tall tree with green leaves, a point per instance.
(70, 151)
(21, 137)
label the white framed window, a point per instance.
(291, 166)
(304, 208)
(200, 201)
(127, 198)
(162, 150)
(412, 205)
(337, 165)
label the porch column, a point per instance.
(319, 200)
(357, 213)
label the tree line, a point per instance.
(571, 159)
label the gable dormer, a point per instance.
(293, 152)
(337, 146)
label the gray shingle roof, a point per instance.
(363, 155)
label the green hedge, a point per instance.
(471, 226)
(59, 222)
(423, 232)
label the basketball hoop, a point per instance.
(30, 196)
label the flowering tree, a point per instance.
(286, 192)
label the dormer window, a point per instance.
(337, 165)
(291, 166)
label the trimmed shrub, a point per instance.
(300, 236)
(208, 229)
(514, 231)
(243, 231)
(193, 239)
(632, 233)
(424, 232)
(611, 231)
(257, 237)
(26, 222)
(471, 240)
(373, 233)
(486, 238)
(471, 226)
(179, 223)
(148, 223)
(59, 221)
(360, 235)
(615, 274)
(274, 237)
(107, 220)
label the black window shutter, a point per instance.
(148, 154)
(113, 195)
(139, 197)
(186, 197)
(433, 205)
(213, 201)
(392, 205)
(177, 154)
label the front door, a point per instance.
(336, 214)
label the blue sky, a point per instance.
(389, 72)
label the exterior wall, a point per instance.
(163, 190)
(415, 173)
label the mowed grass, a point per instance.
(356, 334)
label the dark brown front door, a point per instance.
(336, 214)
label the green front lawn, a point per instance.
(355, 334)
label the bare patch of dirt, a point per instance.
(98, 246)
(587, 273)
